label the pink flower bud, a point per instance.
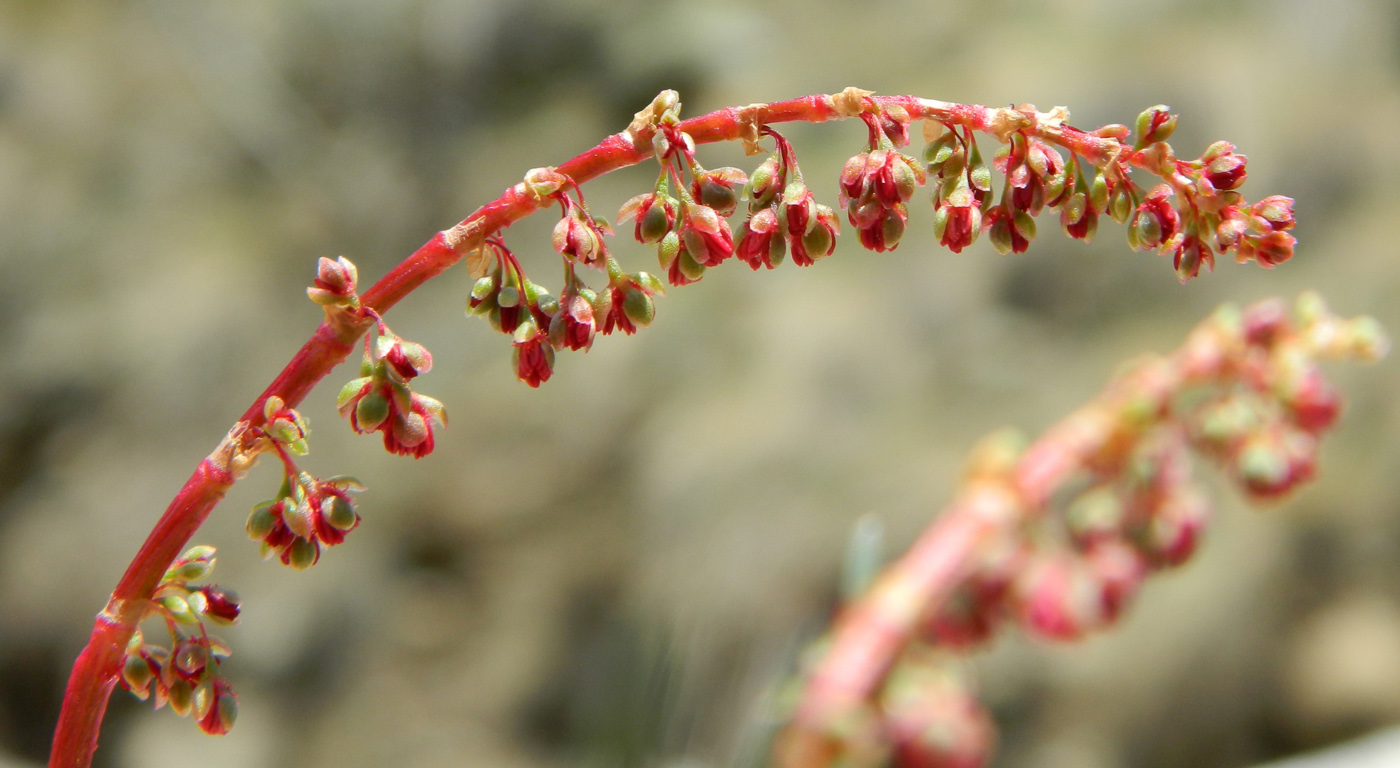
(1190, 255)
(757, 238)
(705, 236)
(956, 219)
(335, 283)
(1155, 124)
(1264, 322)
(1174, 529)
(1272, 248)
(1313, 403)
(937, 724)
(1224, 169)
(1058, 598)
(1156, 221)
(1276, 211)
(217, 604)
(573, 325)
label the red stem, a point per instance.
(97, 667)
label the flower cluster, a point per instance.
(306, 516)
(186, 674)
(690, 233)
(1068, 528)
(382, 398)
(962, 194)
(1193, 215)
(784, 215)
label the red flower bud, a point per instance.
(957, 220)
(757, 239)
(216, 604)
(655, 215)
(1156, 221)
(534, 357)
(1276, 211)
(705, 236)
(1226, 171)
(573, 325)
(216, 706)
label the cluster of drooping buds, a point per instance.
(1266, 431)
(383, 400)
(932, 717)
(307, 515)
(1036, 177)
(877, 184)
(1058, 536)
(186, 674)
(1194, 215)
(963, 192)
(1258, 407)
(784, 215)
(578, 236)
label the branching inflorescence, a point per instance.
(1244, 391)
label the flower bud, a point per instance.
(656, 221)
(638, 307)
(371, 412)
(180, 696)
(262, 521)
(715, 189)
(137, 675)
(765, 185)
(179, 610)
(217, 604)
(1276, 211)
(301, 554)
(335, 283)
(1155, 124)
(218, 705)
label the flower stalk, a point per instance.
(692, 234)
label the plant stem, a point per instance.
(97, 667)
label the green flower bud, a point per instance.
(371, 411)
(137, 674)
(180, 696)
(261, 521)
(302, 554)
(638, 307)
(340, 515)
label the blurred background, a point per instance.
(614, 569)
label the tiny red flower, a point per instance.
(757, 238)
(534, 357)
(335, 283)
(655, 215)
(1190, 255)
(573, 325)
(1276, 212)
(219, 706)
(716, 188)
(219, 605)
(705, 236)
(1224, 169)
(1156, 220)
(1273, 248)
(957, 220)
(579, 238)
